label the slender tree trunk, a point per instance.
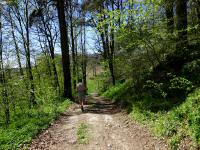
(170, 15)
(1, 49)
(181, 13)
(103, 37)
(198, 11)
(108, 44)
(46, 53)
(2, 77)
(49, 38)
(76, 57)
(73, 47)
(65, 49)
(52, 53)
(22, 33)
(106, 41)
(111, 51)
(16, 46)
(84, 59)
(55, 74)
(28, 57)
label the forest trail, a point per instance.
(108, 129)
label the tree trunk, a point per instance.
(2, 78)
(46, 53)
(55, 74)
(76, 56)
(111, 51)
(73, 47)
(64, 49)
(170, 15)
(198, 11)
(48, 35)
(28, 59)
(1, 49)
(16, 45)
(181, 13)
(84, 59)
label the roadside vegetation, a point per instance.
(29, 123)
(142, 54)
(178, 123)
(156, 68)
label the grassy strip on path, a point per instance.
(82, 133)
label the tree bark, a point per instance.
(111, 51)
(182, 22)
(16, 45)
(170, 15)
(73, 47)
(28, 58)
(198, 11)
(2, 77)
(46, 54)
(64, 49)
(84, 57)
(48, 35)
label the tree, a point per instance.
(28, 54)
(170, 15)
(105, 26)
(74, 61)
(15, 42)
(64, 49)
(181, 13)
(3, 83)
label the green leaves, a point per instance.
(180, 83)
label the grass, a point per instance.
(83, 135)
(117, 91)
(94, 85)
(174, 124)
(26, 125)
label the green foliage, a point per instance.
(25, 121)
(95, 84)
(175, 124)
(191, 70)
(26, 125)
(104, 81)
(115, 92)
(177, 88)
(180, 83)
(163, 74)
(155, 89)
(163, 117)
(82, 133)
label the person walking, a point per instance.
(81, 89)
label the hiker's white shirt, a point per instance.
(80, 87)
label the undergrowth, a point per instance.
(27, 124)
(173, 122)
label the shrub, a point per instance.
(180, 87)
(191, 70)
(155, 89)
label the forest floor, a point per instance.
(106, 128)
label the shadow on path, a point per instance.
(99, 105)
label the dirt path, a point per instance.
(108, 127)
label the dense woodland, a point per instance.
(144, 56)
